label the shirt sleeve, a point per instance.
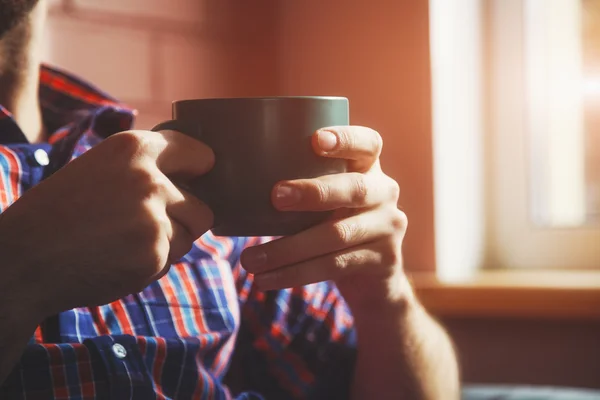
(294, 343)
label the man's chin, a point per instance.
(12, 12)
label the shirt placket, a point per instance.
(127, 374)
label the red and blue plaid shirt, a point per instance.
(202, 331)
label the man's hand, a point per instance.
(359, 248)
(106, 224)
(402, 352)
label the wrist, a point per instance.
(371, 299)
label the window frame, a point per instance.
(481, 180)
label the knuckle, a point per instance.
(142, 183)
(345, 139)
(322, 192)
(342, 262)
(399, 221)
(151, 229)
(157, 183)
(348, 232)
(360, 190)
(343, 231)
(131, 143)
(394, 189)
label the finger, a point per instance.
(180, 231)
(184, 155)
(189, 212)
(328, 237)
(181, 206)
(330, 192)
(181, 241)
(333, 266)
(359, 145)
(190, 219)
(162, 272)
(174, 153)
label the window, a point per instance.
(516, 105)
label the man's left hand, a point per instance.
(360, 247)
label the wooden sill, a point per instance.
(507, 293)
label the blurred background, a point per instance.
(490, 114)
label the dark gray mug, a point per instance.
(258, 142)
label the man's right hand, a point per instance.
(105, 225)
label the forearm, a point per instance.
(16, 327)
(403, 353)
(20, 312)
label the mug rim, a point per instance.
(259, 98)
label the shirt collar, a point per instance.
(64, 99)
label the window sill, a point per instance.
(507, 293)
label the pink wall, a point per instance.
(150, 52)
(375, 53)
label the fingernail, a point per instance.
(286, 196)
(327, 140)
(254, 259)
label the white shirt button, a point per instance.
(119, 350)
(41, 157)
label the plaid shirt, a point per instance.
(202, 331)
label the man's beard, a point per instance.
(12, 12)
